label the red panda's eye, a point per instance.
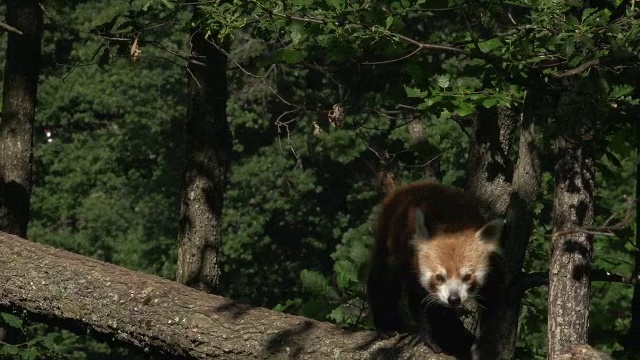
(466, 278)
(439, 278)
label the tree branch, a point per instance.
(605, 229)
(580, 69)
(168, 319)
(9, 28)
(535, 279)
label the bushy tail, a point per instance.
(383, 282)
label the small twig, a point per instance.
(417, 50)
(529, 281)
(285, 124)
(580, 69)
(9, 28)
(193, 76)
(605, 230)
(427, 163)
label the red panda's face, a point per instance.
(453, 267)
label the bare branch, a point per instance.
(535, 279)
(425, 46)
(9, 28)
(580, 69)
(605, 230)
(417, 50)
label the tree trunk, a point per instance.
(208, 150)
(498, 326)
(631, 340)
(166, 319)
(570, 268)
(489, 171)
(511, 192)
(22, 66)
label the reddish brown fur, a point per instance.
(452, 219)
(459, 254)
(446, 210)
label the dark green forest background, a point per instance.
(300, 207)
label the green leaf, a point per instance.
(568, 48)
(168, 4)
(587, 12)
(443, 81)
(338, 315)
(489, 102)
(575, 60)
(338, 4)
(346, 272)
(30, 354)
(414, 92)
(12, 320)
(288, 304)
(316, 283)
(572, 21)
(359, 253)
(290, 56)
(145, 6)
(51, 340)
(620, 90)
(389, 22)
(465, 109)
(487, 46)
(8, 349)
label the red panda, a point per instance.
(434, 249)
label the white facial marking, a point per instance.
(480, 277)
(425, 278)
(453, 287)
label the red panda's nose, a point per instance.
(454, 299)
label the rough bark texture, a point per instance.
(208, 150)
(168, 319)
(489, 169)
(505, 191)
(22, 66)
(569, 274)
(631, 340)
(584, 352)
(498, 326)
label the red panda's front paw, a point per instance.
(429, 342)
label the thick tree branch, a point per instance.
(168, 319)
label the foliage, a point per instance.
(49, 342)
(106, 180)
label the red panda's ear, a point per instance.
(421, 232)
(491, 232)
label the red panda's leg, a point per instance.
(383, 294)
(493, 300)
(415, 296)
